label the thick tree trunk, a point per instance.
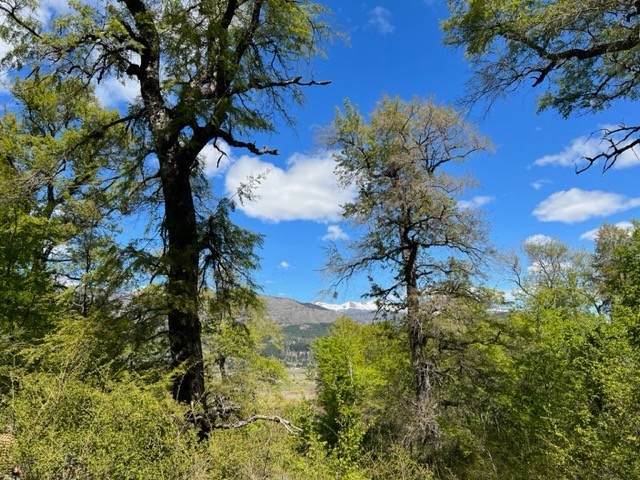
(415, 319)
(418, 344)
(423, 371)
(418, 338)
(182, 280)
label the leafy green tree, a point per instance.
(424, 247)
(562, 379)
(605, 278)
(210, 71)
(52, 185)
(555, 272)
(585, 52)
(361, 382)
(622, 282)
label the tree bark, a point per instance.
(417, 324)
(418, 344)
(182, 280)
(417, 336)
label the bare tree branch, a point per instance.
(290, 427)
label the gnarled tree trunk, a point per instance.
(182, 279)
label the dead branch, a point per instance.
(290, 427)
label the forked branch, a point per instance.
(290, 427)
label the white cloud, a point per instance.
(537, 267)
(509, 295)
(5, 47)
(475, 202)
(578, 149)
(380, 18)
(334, 234)
(628, 159)
(538, 184)
(538, 239)
(307, 189)
(284, 265)
(593, 234)
(575, 205)
(112, 92)
(49, 9)
(215, 160)
(590, 146)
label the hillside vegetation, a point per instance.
(149, 354)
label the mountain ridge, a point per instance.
(287, 311)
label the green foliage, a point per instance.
(78, 409)
(396, 461)
(586, 52)
(237, 332)
(623, 284)
(562, 381)
(267, 451)
(57, 195)
(360, 369)
(66, 426)
(583, 49)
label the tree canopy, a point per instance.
(414, 229)
(207, 72)
(586, 53)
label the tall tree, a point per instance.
(616, 264)
(52, 184)
(208, 71)
(415, 232)
(586, 52)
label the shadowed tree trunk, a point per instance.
(182, 280)
(209, 73)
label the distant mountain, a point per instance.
(286, 311)
(303, 323)
(368, 306)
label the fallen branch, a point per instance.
(290, 427)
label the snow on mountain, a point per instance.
(368, 306)
(286, 311)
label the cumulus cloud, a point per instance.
(334, 234)
(215, 159)
(380, 19)
(576, 205)
(510, 295)
(306, 189)
(538, 239)
(476, 202)
(284, 265)
(593, 234)
(590, 146)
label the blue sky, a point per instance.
(528, 187)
